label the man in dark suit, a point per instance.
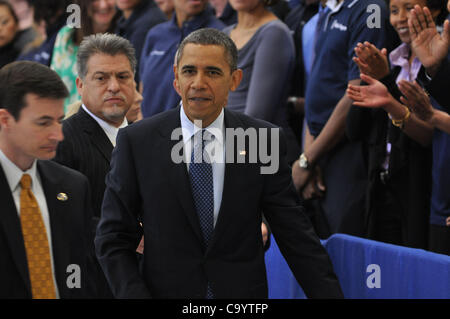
(201, 221)
(45, 243)
(106, 67)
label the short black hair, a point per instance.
(20, 78)
(210, 36)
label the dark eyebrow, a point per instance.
(109, 73)
(48, 118)
(213, 68)
(187, 67)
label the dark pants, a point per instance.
(387, 216)
(345, 176)
(440, 239)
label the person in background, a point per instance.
(97, 16)
(137, 18)
(52, 15)
(223, 11)
(106, 64)
(262, 94)
(12, 40)
(134, 114)
(167, 7)
(332, 166)
(159, 50)
(432, 50)
(400, 159)
(24, 11)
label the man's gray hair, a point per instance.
(104, 43)
(209, 36)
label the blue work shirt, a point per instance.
(440, 199)
(145, 16)
(156, 65)
(333, 66)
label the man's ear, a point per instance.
(176, 84)
(236, 78)
(79, 83)
(5, 118)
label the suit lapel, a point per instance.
(57, 210)
(96, 134)
(13, 231)
(178, 174)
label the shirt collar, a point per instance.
(399, 55)
(13, 173)
(189, 129)
(108, 128)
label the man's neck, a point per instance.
(24, 162)
(183, 17)
(127, 13)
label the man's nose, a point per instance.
(57, 133)
(199, 81)
(113, 84)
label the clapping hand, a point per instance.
(428, 45)
(416, 99)
(371, 61)
(374, 95)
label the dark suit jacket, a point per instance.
(438, 86)
(145, 181)
(87, 149)
(71, 238)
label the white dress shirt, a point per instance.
(13, 176)
(110, 130)
(217, 128)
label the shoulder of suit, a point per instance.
(62, 171)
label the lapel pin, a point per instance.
(242, 153)
(62, 197)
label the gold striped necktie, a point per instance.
(36, 243)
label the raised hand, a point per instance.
(427, 44)
(371, 61)
(416, 99)
(374, 95)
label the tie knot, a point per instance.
(202, 137)
(25, 181)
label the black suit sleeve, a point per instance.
(294, 234)
(438, 85)
(118, 233)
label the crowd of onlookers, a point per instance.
(361, 95)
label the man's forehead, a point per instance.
(38, 106)
(100, 62)
(200, 54)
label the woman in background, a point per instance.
(266, 54)
(399, 156)
(97, 16)
(12, 41)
